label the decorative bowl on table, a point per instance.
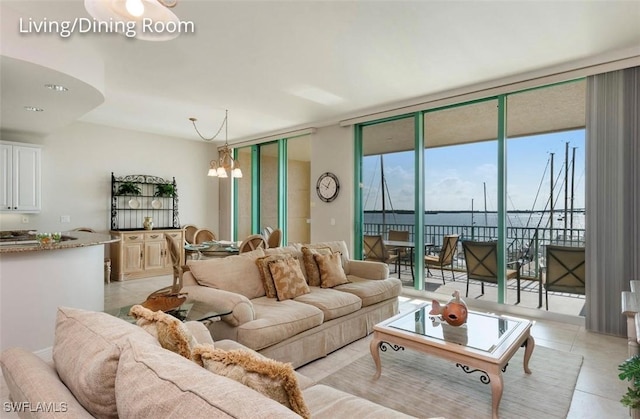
(47, 239)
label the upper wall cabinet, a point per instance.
(20, 177)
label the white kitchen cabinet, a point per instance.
(20, 179)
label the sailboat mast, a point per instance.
(486, 222)
(384, 204)
(566, 185)
(573, 178)
(551, 196)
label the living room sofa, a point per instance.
(106, 367)
(303, 328)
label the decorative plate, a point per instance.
(156, 204)
(134, 203)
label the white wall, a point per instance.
(332, 151)
(77, 162)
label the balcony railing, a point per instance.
(525, 244)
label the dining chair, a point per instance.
(375, 250)
(481, 259)
(252, 242)
(564, 271)
(189, 233)
(203, 235)
(444, 257)
(274, 238)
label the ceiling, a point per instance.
(284, 65)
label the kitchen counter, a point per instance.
(70, 240)
(35, 280)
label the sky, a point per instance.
(455, 175)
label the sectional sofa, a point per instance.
(339, 305)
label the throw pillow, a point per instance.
(288, 279)
(311, 265)
(171, 333)
(331, 272)
(265, 273)
(276, 380)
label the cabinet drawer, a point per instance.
(132, 238)
(175, 236)
(153, 237)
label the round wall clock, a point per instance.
(327, 187)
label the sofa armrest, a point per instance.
(240, 306)
(30, 379)
(368, 269)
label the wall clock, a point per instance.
(327, 187)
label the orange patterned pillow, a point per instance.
(288, 278)
(265, 273)
(310, 265)
(331, 272)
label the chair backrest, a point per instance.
(449, 247)
(374, 248)
(252, 242)
(274, 238)
(398, 235)
(203, 235)
(174, 253)
(481, 259)
(565, 269)
(189, 233)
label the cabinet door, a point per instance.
(6, 168)
(132, 256)
(26, 178)
(154, 251)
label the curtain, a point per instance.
(612, 196)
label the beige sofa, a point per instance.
(105, 367)
(301, 329)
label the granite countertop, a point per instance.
(71, 239)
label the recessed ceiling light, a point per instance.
(33, 109)
(56, 87)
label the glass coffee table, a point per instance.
(484, 344)
(189, 311)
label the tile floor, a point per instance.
(598, 389)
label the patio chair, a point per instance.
(565, 271)
(274, 238)
(481, 259)
(404, 254)
(252, 242)
(445, 256)
(375, 250)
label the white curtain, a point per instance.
(613, 196)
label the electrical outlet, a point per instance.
(65, 218)
(25, 219)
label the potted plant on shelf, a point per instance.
(165, 190)
(128, 188)
(630, 371)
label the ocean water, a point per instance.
(467, 218)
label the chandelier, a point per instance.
(225, 164)
(122, 13)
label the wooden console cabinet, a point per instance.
(143, 253)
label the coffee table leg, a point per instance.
(496, 391)
(374, 347)
(528, 350)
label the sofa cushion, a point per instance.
(330, 268)
(276, 321)
(86, 351)
(155, 383)
(274, 379)
(372, 291)
(310, 264)
(333, 303)
(171, 333)
(237, 273)
(327, 402)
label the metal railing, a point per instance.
(526, 244)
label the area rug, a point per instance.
(425, 386)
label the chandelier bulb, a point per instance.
(135, 7)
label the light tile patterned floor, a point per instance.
(598, 389)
